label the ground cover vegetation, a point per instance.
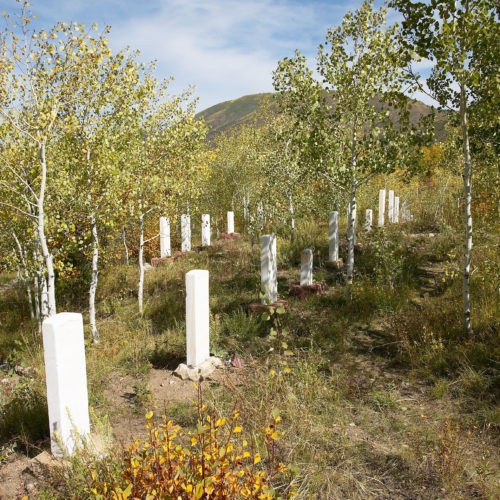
(386, 386)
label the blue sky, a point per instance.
(227, 48)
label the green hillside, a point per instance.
(228, 114)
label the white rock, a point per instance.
(200, 372)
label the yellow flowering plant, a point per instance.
(213, 462)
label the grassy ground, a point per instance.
(381, 394)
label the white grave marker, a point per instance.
(205, 230)
(333, 236)
(185, 233)
(369, 219)
(306, 267)
(390, 204)
(67, 398)
(268, 267)
(165, 250)
(230, 222)
(396, 209)
(381, 207)
(197, 317)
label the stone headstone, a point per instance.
(269, 267)
(368, 220)
(165, 250)
(185, 233)
(396, 209)
(333, 236)
(306, 267)
(197, 317)
(230, 222)
(66, 378)
(390, 206)
(205, 230)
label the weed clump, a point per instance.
(25, 417)
(212, 462)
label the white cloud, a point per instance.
(227, 48)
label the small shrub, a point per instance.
(214, 462)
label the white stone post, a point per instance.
(230, 222)
(333, 236)
(390, 206)
(396, 209)
(185, 233)
(268, 267)
(165, 250)
(205, 230)
(368, 220)
(306, 267)
(197, 317)
(381, 207)
(67, 398)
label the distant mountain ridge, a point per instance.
(229, 114)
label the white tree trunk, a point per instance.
(467, 177)
(292, 217)
(47, 256)
(36, 293)
(124, 237)
(141, 264)
(44, 300)
(245, 205)
(94, 279)
(37, 280)
(351, 233)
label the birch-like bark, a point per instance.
(94, 278)
(245, 205)
(37, 289)
(36, 293)
(124, 238)
(351, 233)
(46, 254)
(44, 297)
(141, 264)
(352, 213)
(292, 217)
(467, 177)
